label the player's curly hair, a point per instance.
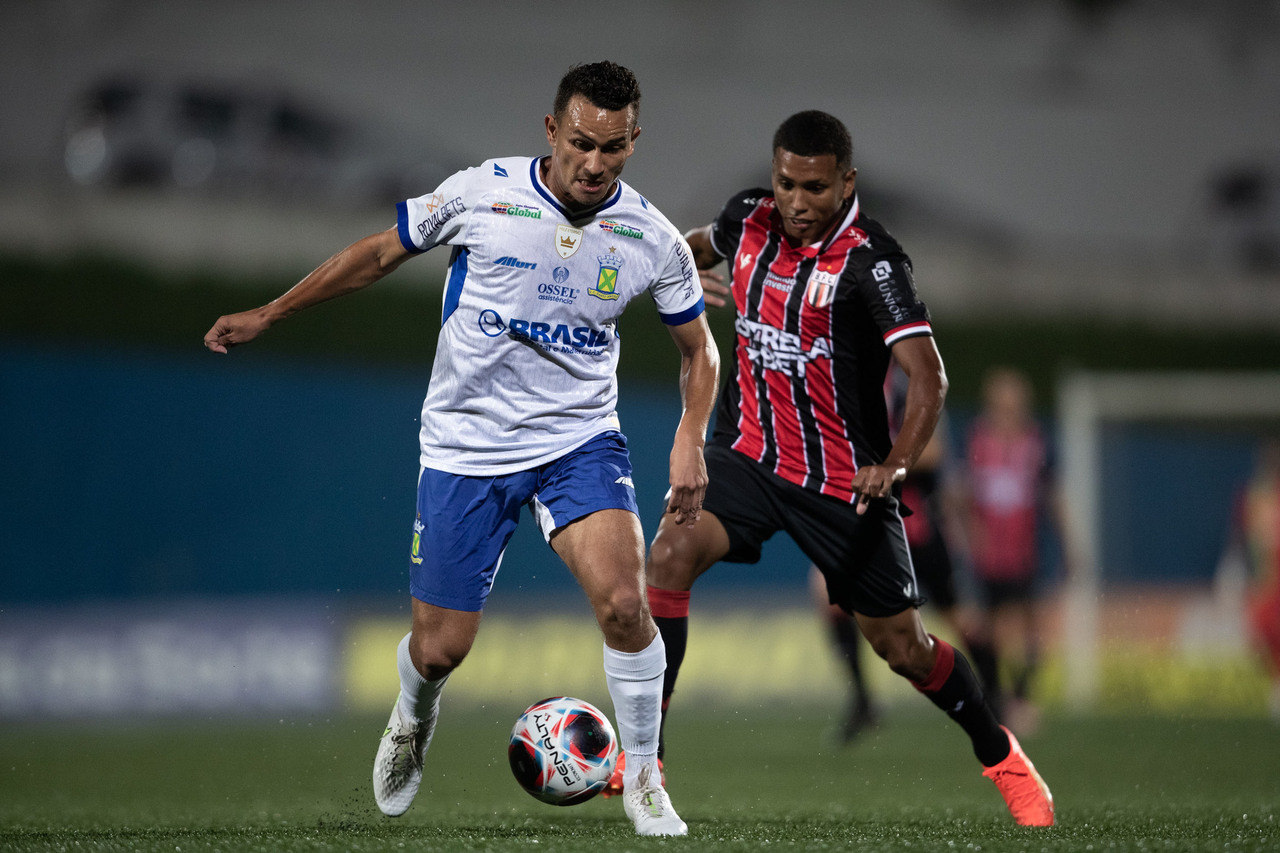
(607, 85)
(813, 133)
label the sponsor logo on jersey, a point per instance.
(775, 349)
(508, 261)
(778, 282)
(686, 270)
(607, 282)
(506, 208)
(859, 236)
(568, 239)
(560, 274)
(558, 293)
(552, 337)
(613, 226)
(440, 214)
(744, 260)
(883, 274)
(821, 288)
(498, 171)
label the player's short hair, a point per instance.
(606, 85)
(812, 133)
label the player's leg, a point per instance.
(604, 551)
(586, 508)
(943, 675)
(461, 528)
(881, 589)
(738, 514)
(439, 640)
(847, 639)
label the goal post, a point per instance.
(1086, 403)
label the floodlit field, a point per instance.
(746, 779)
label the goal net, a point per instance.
(1150, 466)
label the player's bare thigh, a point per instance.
(682, 552)
(605, 552)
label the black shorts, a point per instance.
(932, 563)
(1000, 591)
(863, 557)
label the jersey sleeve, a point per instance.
(676, 291)
(726, 229)
(440, 216)
(888, 286)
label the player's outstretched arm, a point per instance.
(699, 379)
(926, 390)
(355, 267)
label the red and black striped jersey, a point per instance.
(814, 327)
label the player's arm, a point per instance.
(699, 379)
(714, 291)
(355, 267)
(926, 391)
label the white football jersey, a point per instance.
(526, 361)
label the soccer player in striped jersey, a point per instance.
(823, 295)
(520, 409)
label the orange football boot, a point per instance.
(1024, 792)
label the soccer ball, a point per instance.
(563, 751)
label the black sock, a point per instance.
(954, 688)
(675, 637)
(983, 655)
(849, 642)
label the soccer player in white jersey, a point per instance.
(546, 253)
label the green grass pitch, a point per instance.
(745, 780)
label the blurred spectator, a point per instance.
(1260, 525)
(1006, 494)
(233, 140)
(1245, 211)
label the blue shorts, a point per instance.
(464, 523)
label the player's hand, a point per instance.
(688, 482)
(875, 482)
(233, 329)
(714, 291)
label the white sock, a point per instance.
(419, 698)
(635, 685)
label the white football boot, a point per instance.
(650, 809)
(397, 770)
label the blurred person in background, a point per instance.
(520, 409)
(1260, 524)
(1007, 492)
(927, 494)
(824, 296)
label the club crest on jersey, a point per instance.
(568, 239)
(607, 284)
(821, 288)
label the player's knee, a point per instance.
(436, 657)
(672, 563)
(621, 612)
(905, 654)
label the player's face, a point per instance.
(589, 147)
(810, 192)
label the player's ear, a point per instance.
(850, 180)
(550, 122)
(634, 134)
